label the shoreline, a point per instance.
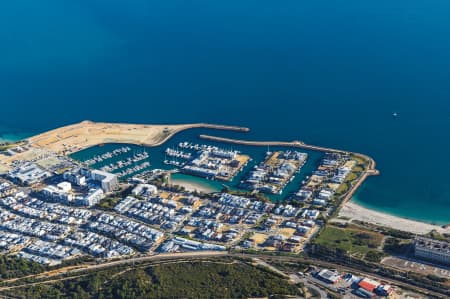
(348, 207)
(356, 211)
(193, 186)
(156, 135)
(5, 139)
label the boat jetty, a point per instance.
(133, 170)
(107, 155)
(207, 161)
(180, 158)
(125, 162)
(178, 154)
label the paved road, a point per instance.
(264, 264)
(296, 279)
(162, 256)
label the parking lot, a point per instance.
(408, 264)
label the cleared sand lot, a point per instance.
(69, 139)
(85, 134)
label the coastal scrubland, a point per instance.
(219, 279)
(12, 267)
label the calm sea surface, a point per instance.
(326, 72)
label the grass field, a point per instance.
(361, 164)
(342, 189)
(352, 240)
(351, 177)
(358, 169)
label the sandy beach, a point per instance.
(192, 186)
(354, 211)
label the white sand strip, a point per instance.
(356, 212)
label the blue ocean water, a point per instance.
(325, 72)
